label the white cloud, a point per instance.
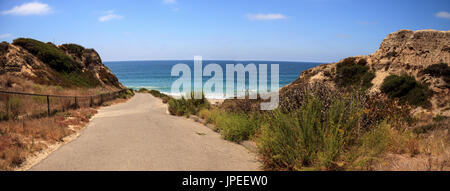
(110, 15)
(169, 1)
(172, 4)
(33, 8)
(5, 35)
(443, 14)
(265, 16)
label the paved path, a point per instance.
(140, 135)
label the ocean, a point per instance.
(155, 75)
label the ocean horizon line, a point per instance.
(251, 60)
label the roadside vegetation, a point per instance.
(16, 106)
(26, 128)
(345, 133)
(165, 98)
(20, 140)
(23, 138)
(185, 106)
(323, 130)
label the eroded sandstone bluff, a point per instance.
(402, 52)
(67, 65)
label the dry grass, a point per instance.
(13, 83)
(26, 128)
(20, 139)
(13, 106)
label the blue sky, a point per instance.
(293, 30)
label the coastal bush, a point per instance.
(143, 90)
(369, 146)
(439, 70)
(241, 105)
(293, 98)
(79, 79)
(205, 114)
(48, 54)
(3, 47)
(68, 69)
(309, 136)
(126, 94)
(233, 126)
(406, 89)
(352, 73)
(74, 49)
(186, 107)
(346, 131)
(165, 98)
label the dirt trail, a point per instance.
(140, 135)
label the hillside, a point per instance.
(66, 65)
(32, 126)
(419, 59)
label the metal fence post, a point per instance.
(48, 106)
(103, 97)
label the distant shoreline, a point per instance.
(218, 60)
(156, 75)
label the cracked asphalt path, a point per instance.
(140, 135)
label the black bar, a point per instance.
(48, 105)
(268, 181)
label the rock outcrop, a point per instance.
(83, 63)
(402, 52)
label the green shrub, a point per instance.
(336, 133)
(66, 66)
(352, 73)
(165, 98)
(439, 70)
(3, 47)
(313, 135)
(80, 79)
(369, 146)
(235, 127)
(407, 89)
(126, 94)
(49, 54)
(187, 107)
(74, 49)
(143, 90)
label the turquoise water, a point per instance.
(156, 74)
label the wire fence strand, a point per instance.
(19, 105)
